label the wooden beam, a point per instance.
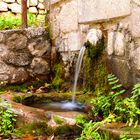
(24, 13)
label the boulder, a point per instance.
(16, 41)
(17, 58)
(39, 66)
(39, 48)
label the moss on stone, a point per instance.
(67, 130)
(57, 80)
(36, 129)
(58, 120)
(95, 72)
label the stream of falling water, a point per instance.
(77, 71)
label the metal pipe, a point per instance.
(24, 13)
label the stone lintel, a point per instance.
(102, 10)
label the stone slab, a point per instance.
(54, 1)
(100, 10)
(135, 22)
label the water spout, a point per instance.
(77, 71)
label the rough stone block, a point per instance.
(54, 1)
(70, 42)
(115, 43)
(17, 58)
(3, 6)
(122, 70)
(39, 66)
(39, 47)
(68, 17)
(135, 22)
(100, 10)
(9, 1)
(33, 2)
(2, 37)
(33, 10)
(40, 6)
(135, 57)
(137, 2)
(16, 41)
(15, 8)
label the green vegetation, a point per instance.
(35, 129)
(57, 80)
(7, 120)
(10, 21)
(95, 73)
(58, 120)
(111, 107)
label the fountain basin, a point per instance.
(59, 122)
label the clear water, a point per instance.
(60, 107)
(77, 71)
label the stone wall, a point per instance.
(24, 54)
(14, 6)
(119, 21)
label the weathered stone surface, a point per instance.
(15, 8)
(100, 10)
(110, 48)
(119, 46)
(115, 44)
(122, 70)
(33, 10)
(41, 1)
(71, 42)
(17, 58)
(93, 36)
(41, 12)
(3, 6)
(54, 22)
(34, 32)
(135, 22)
(19, 1)
(74, 41)
(39, 48)
(11, 74)
(18, 75)
(135, 56)
(3, 50)
(4, 68)
(33, 2)
(40, 6)
(2, 37)
(39, 66)
(68, 17)
(16, 41)
(136, 1)
(54, 1)
(9, 1)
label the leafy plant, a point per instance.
(90, 129)
(112, 107)
(7, 120)
(10, 21)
